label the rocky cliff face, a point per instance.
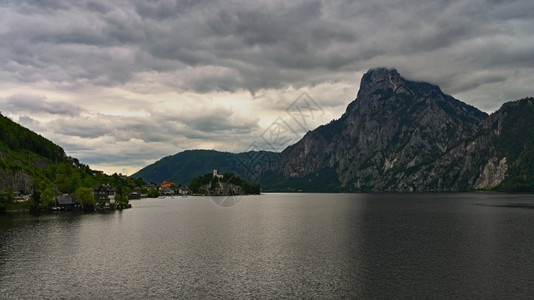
(387, 140)
(17, 180)
(499, 156)
(507, 139)
(493, 174)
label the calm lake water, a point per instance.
(277, 246)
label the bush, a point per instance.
(153, 193)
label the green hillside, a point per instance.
(19, 139)
(32, 165)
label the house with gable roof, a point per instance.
(105, 193)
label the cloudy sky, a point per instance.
(120, 84)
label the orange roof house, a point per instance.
(167, 184)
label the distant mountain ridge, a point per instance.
(405, 136)
(183, 167)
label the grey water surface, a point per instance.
(324, 246)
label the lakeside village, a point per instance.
(110, 197)
(105, 197)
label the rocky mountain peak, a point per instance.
(380, 79)
(383, 81)
(390, 133)
(381, 75)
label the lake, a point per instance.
(324, 246)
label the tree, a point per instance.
(85, 197)
(3, 202)
(67, 178)
(10, 196)
(35, 200)
(125, 191)
(47, 198)
(142, 190)
(153, 193)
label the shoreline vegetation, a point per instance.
(206, 185)
(117, 196)
(227, 184)
(72, 187)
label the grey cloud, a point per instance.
(208, 124)
(105, 139)
(82, 127)
(265, 44)
(25, 120)
(460, 84)
(112, 158)
(221, 122)
(159, 10)
(31, 123)
(38, 105)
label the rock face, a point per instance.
(17, 180)
(499, 156)
(493, 174)
(398, 135)
(505, 146)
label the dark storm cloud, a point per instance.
(265, 44)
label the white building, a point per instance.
(217, 175)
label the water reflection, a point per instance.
(276, 246)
